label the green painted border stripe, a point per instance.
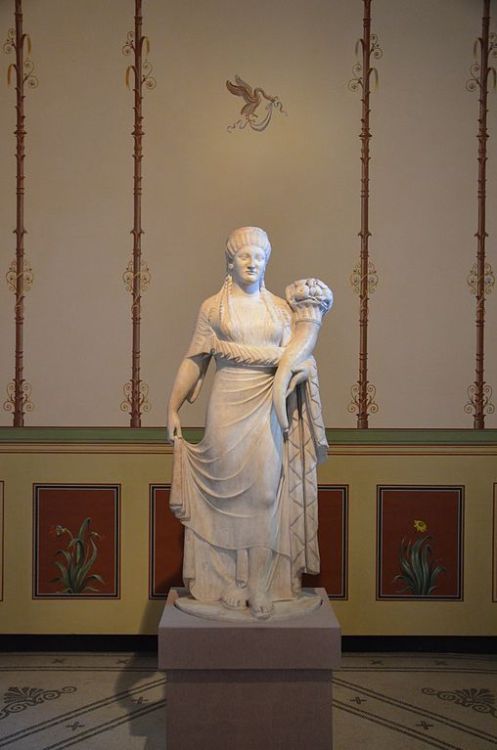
(90, 435)
(421, 436)
(337, 436)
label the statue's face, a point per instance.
(248, 265)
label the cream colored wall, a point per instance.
(299, 179)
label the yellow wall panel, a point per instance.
(134, 466)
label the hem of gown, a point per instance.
(236, 548)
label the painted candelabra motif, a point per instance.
(481, 279)
(254, 113)
(136, 277)
(364, 278)
(20, 275)
(419, 572)
(76, 561)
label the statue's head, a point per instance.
(246, 237)
(247, 253)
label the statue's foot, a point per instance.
(261, 605)
(235, 597)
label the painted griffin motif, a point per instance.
(253, 98)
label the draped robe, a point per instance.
(243, 486)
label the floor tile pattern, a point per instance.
(97, 701)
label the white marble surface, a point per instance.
(284, 610)
(247, 493)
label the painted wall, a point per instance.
(300, 179)
(446, 483)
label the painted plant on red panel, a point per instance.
(76, 539)
(77, 559)
(419, 553)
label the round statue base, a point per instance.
(284, 610)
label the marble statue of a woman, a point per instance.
(247, 493)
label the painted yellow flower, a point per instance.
(420, 526)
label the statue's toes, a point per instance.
(261, 613)
(261, 607)
(234, 599)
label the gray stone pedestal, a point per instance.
(244, 686)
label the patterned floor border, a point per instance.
(113, 701)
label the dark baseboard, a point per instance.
(142, 643)
(455, 644)
(350, 643)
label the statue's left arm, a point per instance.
(309, 299)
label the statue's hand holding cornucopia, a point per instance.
(309, 300)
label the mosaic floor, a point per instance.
(104, 701)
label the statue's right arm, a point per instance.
(189, 373)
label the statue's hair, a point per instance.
(244, 236)
(225, 317)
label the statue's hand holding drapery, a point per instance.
(310, 300)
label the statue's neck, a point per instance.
(248, 291)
